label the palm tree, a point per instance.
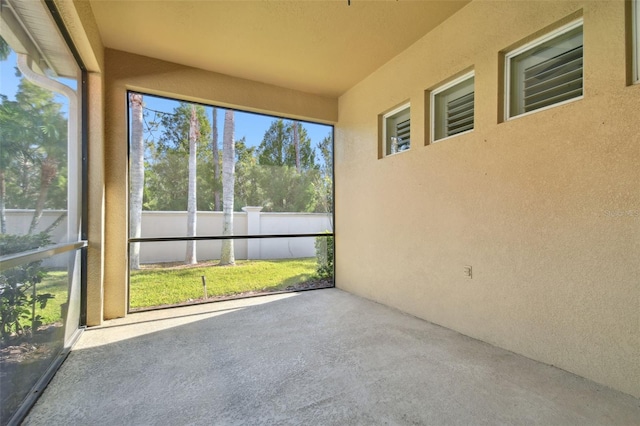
(137, 178)
(228, 182)
(13, 130)
(192, 204)
(296, 145)
(216, 160)
(48, 172)
(33, 131)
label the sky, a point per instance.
(251, 126)
(9, 81)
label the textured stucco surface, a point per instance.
(545, 208)
(322, 357)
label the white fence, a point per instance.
(19, 221)
(174, 224)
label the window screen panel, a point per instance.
(460, 114)
(454, 108)
(548, 73)
(403, 132)
(554, 80)
(397, 130)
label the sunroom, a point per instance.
(480, 176)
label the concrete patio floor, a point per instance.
(322, 357)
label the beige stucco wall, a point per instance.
(545, 208)
(127, 71)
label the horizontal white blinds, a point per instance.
(453, 107)
(460, 114)
(397, 130)
(403, 131)
(547, 72)
(555, 80)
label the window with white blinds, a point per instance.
(635, 6)
(403, 130)
(452, 107)
(546, 72)
(397, 130)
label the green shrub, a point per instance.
(18, 298)
(324, 256)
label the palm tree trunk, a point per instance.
(3, 211)
(48, 172)
(137, 178)
(192, 203)
(55, 223)
(296, 144)
(216, 161)
(228, 182)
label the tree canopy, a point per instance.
(4, 49)
(33, 129)
(278, 149)
(167, 161)
(280, 173)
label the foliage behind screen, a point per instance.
(283, 171)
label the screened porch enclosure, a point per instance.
(225, 203)
(42, 225)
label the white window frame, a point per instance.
(386, 136)
(635, 17)
(432, 103)
(525, 48)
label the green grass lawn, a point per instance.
(156, 285)
(56, 283)
(167, 284)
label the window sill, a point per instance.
(397, 153)
(526, 114)
(453, 136)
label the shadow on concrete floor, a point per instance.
(322, 357)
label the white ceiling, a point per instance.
(321, 47)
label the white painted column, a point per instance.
(253, 228)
